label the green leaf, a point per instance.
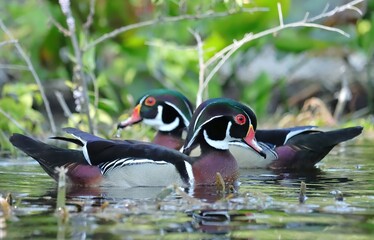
(89, 60)
(108, 105)
(258, 94)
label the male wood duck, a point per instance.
(167, 111)
(298, 148)
(292, 148)
(133, 163)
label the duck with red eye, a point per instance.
(298, 147)
(167, 111)
(215, 125)
(134, 163)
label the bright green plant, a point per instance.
(17, 113)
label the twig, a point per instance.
(225, 53)
(233, 47)
(169, 20)
(14, 67)
(14, 121)
(200, 52)
(307, 22)
(78, 73)
(169, 46)
(63, 104)
(34, 74)
(90, 16)
(347, 6)
(13, 41)
(96, 98)
(280, 14)
(61, 193)
(59, 26)
(302, 194)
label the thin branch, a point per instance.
(305, 22)
(63, 104)
(34, 74)
(78, 73)
(96, 98)
(354, 8)
(14, 67)
(342, 8)
(200, 52)
(280, 14)
(235, 46)
(14, 121)
(306, 16)
(225, 53)
(90, 16)
(169, 20)
(170, 46)
(59, 26)
(218, 55)
(8, 42)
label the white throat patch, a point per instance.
(220, 144)
(158, 124)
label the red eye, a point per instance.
(240, 119)
(150, 101)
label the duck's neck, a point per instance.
(213, 161)
(171, 140)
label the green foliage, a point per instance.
(258, 94)
(17, 113)
(163, 54)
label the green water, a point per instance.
(265, 205)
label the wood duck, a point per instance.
(293, 148)
(133, 163)
(167, 111)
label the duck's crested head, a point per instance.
(163, 109)
(220, 121)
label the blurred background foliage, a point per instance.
(277, 75)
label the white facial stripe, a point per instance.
(185, 120)
(142, 100)
(170, 126)
(196, 131)
(157, 121)
(158, 124)
(220, 144)
(197, 118)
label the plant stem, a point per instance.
(159, 20)
(34, 74)
(79, 72)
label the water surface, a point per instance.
(339, 204)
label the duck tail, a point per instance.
(306, 149)
(49, 157)
(329, 139)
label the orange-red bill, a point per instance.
(251, 141)
(134, 118)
